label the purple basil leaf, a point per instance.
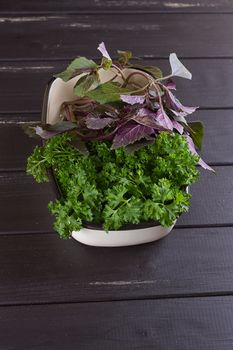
(132, 99)
(179, 117)
(47, 131)
(193, 151)
(103, 50)
(106, 109)
(170, 84)
(178, 126)
(61, 127)
(29, 130)
(179, 114)
(177, 106)
(45, 134)
(130, 133)
(142, 112)
(98, 123)
(148, 120)
(163, 119)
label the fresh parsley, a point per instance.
(113, 187)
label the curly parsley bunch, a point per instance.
(113, 187)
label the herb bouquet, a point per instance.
(120, 149)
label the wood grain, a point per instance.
(61, 36)
(117, 5)
(200, 323)
(211, 199)
(42, 268)
(8, 117)
(22, 84)
(23, 205)
(218, 141)
(17, 147)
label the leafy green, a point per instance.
(84, 84)
(37, 165)
(77, 66)
(114, 187)
(196, 130)
(107, 92)
(116, 155)
(124, 56)
(106, 63)
(152, 70)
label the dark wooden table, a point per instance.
(173, 294)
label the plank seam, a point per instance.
(183, 227)
(206, 295)
(141, 57)
(110, 12)
(19, 120)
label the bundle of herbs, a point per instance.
(122, 151)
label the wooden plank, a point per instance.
(22, 84)
(16, 117)
(17, 147)
(211, 202)
(23, 205)
(47, 269)
(202, 323)
(56, 35)
(218, 141)
(117, 5)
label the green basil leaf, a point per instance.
(124, 56)
(106, 63)
(107, 92)
(77, 66)
(84, 84)
(196, 130)
(152, 70)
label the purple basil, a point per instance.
(48, 131)
(130, 133)
(170, 84)
(44, 134)
(96, 123)
(133, 99)
(193, 151)
(178, 126)
(146, 112)
(147, 117)
(163, 119)
(149, 121)
(176, 105)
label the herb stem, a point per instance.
(135, 73)
(164, 78)
(160, 100)
(38, 163)
(120, 71)
(139, 90)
